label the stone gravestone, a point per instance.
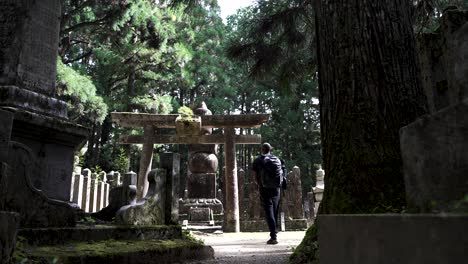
(296, 210)
(435, 160)
(43, 142)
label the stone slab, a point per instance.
(435, 161)
(391, 239)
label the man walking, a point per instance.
(267, 170)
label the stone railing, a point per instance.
(90, 191)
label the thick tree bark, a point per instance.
(369, 89)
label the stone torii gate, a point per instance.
(152, 122)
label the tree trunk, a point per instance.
(369, 89)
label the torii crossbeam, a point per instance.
(151, 122)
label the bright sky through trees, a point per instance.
(229, 7)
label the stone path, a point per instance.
(246, 248)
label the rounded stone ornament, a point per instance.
(201, 162)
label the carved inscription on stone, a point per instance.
(30, 30)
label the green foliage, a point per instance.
(185, 111)
(460, 206)
(80, 93)
(121, 162)
(429, 12)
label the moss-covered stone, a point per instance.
(121, 251)
(308, 250)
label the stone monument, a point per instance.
(201, 180)
(43, 142)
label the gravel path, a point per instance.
(246, 248)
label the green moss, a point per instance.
(107, 248)
(307, 251)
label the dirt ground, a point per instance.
(246, 248)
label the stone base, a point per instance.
(8, 228)
(85, 233)
(204, 214)
(34, 207)
(214, 204)
(110, 244)
(52, 142)
(260, 225)
(390, 239)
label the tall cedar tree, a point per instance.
(369, 89)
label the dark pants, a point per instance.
(270, 201)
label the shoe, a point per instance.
(272, 242)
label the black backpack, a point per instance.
(271, 173)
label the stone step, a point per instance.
(85, 233)
(119, 251)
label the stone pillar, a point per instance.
(295, 193)
(311, 199)
(145, 161)
(86, 190)
(231, 216)
(78, 189)
(106, 194)
(94, 193)
(100, 195)
(241, 178)
(171, 163)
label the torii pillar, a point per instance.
(231, 208)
